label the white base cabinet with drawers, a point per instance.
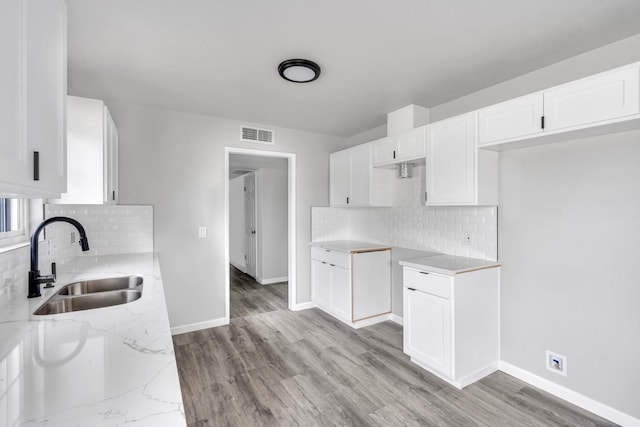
(353, 287)
(452, 323)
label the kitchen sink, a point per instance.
(101, 285)
(90, 294)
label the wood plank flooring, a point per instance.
(274, 367)
(248, 297)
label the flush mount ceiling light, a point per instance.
(299, 70)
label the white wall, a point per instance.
(236, 222)
(272, 225)
(568, 241)
(175, 162)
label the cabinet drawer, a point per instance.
(340, 259)
(427, 282)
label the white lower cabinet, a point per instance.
(353, 287)
(451, 323)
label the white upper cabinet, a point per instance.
(410, 144)
(406, 146)
(512, 119)
(92, 153)
(354, 182)
(588, 101)
(603, 103)
(456, 172)
(384, 151)
(111, 157)
(339, 178)
(32, 98)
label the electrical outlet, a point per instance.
(556, 363)
(202, 232)
(467, 239)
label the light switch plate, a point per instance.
(202, 232)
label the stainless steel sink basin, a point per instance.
(90, 294)
(89, 301)
(100, 285)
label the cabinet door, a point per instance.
(512, 119)
(451, 161)
(320, 283)
(339, 178)
(360, 172)
(410, 145)
(427, 329)
(383, 151)
(371, 284)
(110, 159)
(15, 167)
(46, 90)
(340, 297)
(602, 97)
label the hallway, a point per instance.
(248, 297)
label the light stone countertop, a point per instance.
(449, 265)
(103, 367)
(349, 246)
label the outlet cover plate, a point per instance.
(556, 363)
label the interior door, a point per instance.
(250, 223)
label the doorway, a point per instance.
(259, 230)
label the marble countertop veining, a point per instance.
(448, 264)
(349, 246)
(103, 367)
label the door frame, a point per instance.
(255, 226)
(291, 209)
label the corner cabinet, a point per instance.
(353, 287)
(33, 88)
(451, 323)
(92, 153)
(457, 173)
(355, 183)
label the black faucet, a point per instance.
(35, 279)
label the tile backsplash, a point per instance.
(110, 230)
(14, 266)
(439, 229)
(409, 224)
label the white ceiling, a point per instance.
(219, 57)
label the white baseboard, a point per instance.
(570, 396)
(239, 266)
(303, 306)
(183, 329)
(397, 319)
(272, 280)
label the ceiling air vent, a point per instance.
(249, 134)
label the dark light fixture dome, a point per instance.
(299, 70)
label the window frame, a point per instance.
(21, 235)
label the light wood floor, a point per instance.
(271, 366)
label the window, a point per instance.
(13, 221)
